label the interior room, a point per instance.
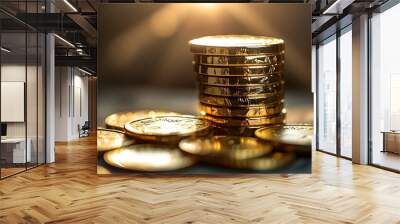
(49, 103)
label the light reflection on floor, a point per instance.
(386, 159)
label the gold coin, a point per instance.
(297, 135)
(244, 131)
(237, 122)
(268, 90)
(238, 71)
(225, 147)
(147, 157)
(236, 45)
(247, 60)
(249, 112)
(272, 161)
(118, 120)
(167, 128)
(111, 139)
(245, 101)
(239, 80)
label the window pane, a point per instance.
(14, 153)
(345, 94)
(31, 97)
(41, 98)
(327, 96)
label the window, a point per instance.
(345, 92)
(326, 60)
(385, 89)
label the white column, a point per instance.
(50, 92)
(50, 99)
(360, 90)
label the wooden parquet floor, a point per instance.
(69, 191)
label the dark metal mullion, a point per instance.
(45, 92)
(369, 91)
(26, 87)
(338, 98)
(37, 91)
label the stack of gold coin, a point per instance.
(240, 79)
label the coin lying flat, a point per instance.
(239, 81)
(167, 128)
(239, 60)
(118, 120)
(147, 157)
(244, 131)
(111, 139)
(225, 147)
(236, 45)
(269, 89)
(296, 137)
(272, 161)
(245, 101)
(238, 71)
(258, 121)
(249, 112)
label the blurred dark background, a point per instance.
(144, 59)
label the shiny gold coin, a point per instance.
(246, 101)
(248, 60)
(269, 90)
(149, 158)
(238, 122)
(225, 147)
(249, 112)
(236, 131)
(239, 80)
(269, 162)
(236, 45)
(111, 139)
(167, 128)
(118, 120)
(238, 71)
(297, 135)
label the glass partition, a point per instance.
(31, 97)
(14, 153)
(23, 91)
(41, 97)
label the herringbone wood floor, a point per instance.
(69, 191)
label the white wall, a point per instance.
(16, 73)
(33, 127)
(71, 102)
